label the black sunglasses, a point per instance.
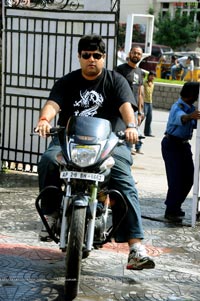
(87, 55)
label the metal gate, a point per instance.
(38, 47)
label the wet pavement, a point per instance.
(34, 271)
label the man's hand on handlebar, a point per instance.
(43, 128)
(131, 135)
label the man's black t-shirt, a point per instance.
(101, 97)
(133, 76)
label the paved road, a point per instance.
(34, 271)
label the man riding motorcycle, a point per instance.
(95, 91)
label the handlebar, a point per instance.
(53, 131)
(121, 135)
(56, 130)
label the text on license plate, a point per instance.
(82, 175)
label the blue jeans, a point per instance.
(148, 118)
(174, 69)
(121, 179)
(138, 145)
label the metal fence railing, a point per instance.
(38, 47)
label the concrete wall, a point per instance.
(165, 95)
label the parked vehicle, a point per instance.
(85, 220)
(149, 63)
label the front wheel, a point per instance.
(74, 252)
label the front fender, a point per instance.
(80, 201)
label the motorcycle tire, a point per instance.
(74, 252)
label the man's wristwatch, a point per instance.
(131, 125)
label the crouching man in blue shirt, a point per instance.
(176, 150)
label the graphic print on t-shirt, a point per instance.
(88, 104)
(136, 79)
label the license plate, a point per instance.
(81, 175)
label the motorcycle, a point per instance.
(86, 219)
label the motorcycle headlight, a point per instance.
(84, 155)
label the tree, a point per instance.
(177, 31)
(138, 34)
(121, 34)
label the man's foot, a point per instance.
(176, 216)
(150, 135)
(138, 259)
(177, 212)
(180, 212)
(133, 152)
(51, 220)
(138, 151)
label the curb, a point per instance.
(17, 179)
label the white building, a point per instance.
(189, 7)
(143, 6)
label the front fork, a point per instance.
(64, 225)
(80, 202)
(91, 223)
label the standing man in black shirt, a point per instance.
(133, 74)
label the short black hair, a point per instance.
(91, 43)
(190, 89)
(152, 73)
(136, 46)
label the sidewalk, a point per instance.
(34, 271)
